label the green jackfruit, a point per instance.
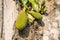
(21, 21)
(36, 15)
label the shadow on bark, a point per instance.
(29, 30)
(25, 32)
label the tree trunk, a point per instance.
(0, 18)
(46, 29)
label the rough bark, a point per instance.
(10, 14)
(0, 17)
(47, 29)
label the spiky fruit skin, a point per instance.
(36, 15)
(21, 21)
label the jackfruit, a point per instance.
(21, 20)
(36, 15)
